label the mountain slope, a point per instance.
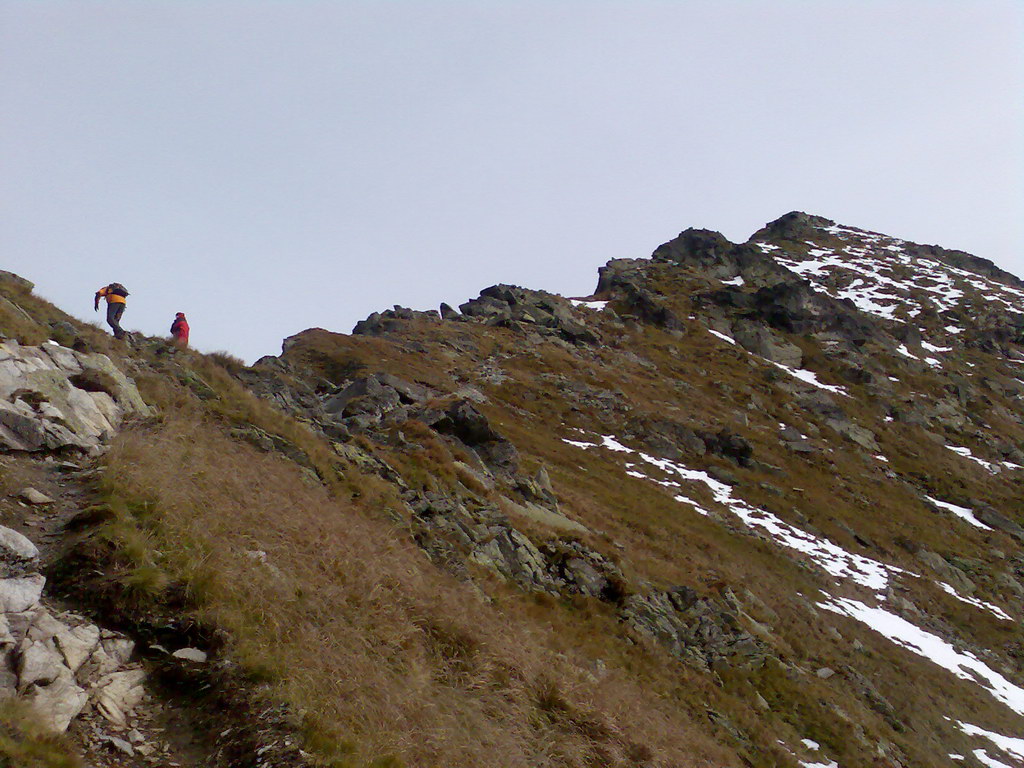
(748, 504)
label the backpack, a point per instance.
(117, 289)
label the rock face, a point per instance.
(500, 305)
(53, 398)
(455, 535)
(694, 629)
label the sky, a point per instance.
(268, 167)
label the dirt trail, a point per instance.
(159, 731)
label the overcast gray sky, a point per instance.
(271, 166)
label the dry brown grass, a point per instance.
(25, 743)
(32, 320)
(383, 654)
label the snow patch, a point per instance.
(982, 757)
(880, 277)
(811, 378)
(966, 453)
(995, 610)
(1009, 744)
(962, 512)
(962, 664)
(831, 558)
(722, 336)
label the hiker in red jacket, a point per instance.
(179, 330)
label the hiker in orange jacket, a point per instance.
(115, 294)
(179, 330)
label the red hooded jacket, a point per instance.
(179, 329)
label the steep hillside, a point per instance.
(749, 504)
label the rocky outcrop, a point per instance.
(370, 399)
(696, 630)
(391, 320)
(993, 518)
(506, 306)
(512, 306)
(59, 662)
(53, 398)
(712, 255)
(464, 422)
(454, 535)
(624, 280)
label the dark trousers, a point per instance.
(114, 312)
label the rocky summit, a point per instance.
(754, 504)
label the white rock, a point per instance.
(96, 666)
(39, 662)
(7, 639)
(190, 654)
(121, 745)
(77, 644)
(60, 414)
(44, 626)
(16, 544)
(117, 694)
(20, 594)
(8, 679)
(58, 703)
(19, 623)
(32, 496)
(119, 648)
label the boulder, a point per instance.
(118, 693)
(956, 577)
(58, 702)
(118, 648)
(515, 307)
(52, 397)
(758, 339)
(855, 433)
(77, 644)
(380, 323)
(190, 654)
(42, 626)
(38, 662)
(34, 497)
(367, 396)
(15, 545)
(20, 593)
(1000, 522)
(463, 421)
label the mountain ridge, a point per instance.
(748, 491)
